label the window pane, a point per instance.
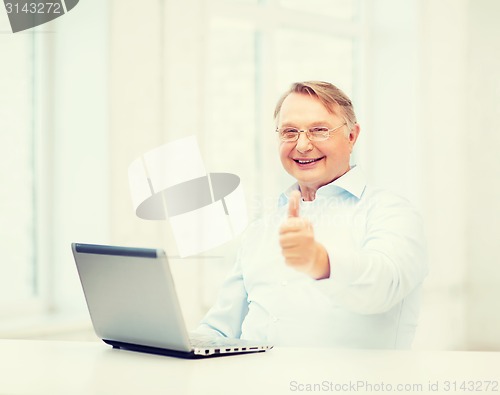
(16, 168)
(302, 56)
(338, 9)
(230, 103)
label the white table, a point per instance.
(72, 368)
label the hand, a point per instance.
(298, 246)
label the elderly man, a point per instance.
(339, 263)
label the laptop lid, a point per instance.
(131, 296)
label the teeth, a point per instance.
(302, 162)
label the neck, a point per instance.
(308, 194)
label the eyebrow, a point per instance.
(313, 124)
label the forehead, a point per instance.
(303, 108)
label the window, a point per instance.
(254, 51)
(248, 52)
(18, 279)
(337, 9)
(53, 154)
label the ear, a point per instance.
(353, 135)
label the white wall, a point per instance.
(431, 134)
(482, 177)
(443, 124)
(459, 95)
(391, 128)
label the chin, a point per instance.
(308, 182)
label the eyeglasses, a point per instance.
(318, 133)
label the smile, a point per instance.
(307, 161)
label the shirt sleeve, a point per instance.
(226, 316)
(390, 262)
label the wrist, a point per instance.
(321, 265)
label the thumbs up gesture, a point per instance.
(298, 246)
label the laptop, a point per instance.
(133, 304)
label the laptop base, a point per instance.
(167, 352)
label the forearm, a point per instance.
(372, 282)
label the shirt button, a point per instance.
(275, 319)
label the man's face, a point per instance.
(331, 157)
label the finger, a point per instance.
(295, 224)
(293, 204)
(288, 241)
(290, 228)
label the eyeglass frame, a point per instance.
(328, 133)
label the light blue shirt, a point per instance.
(376, 249)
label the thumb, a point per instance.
(293, 204)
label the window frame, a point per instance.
(37, 303)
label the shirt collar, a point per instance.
(353, 182)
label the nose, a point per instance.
(303, 143)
